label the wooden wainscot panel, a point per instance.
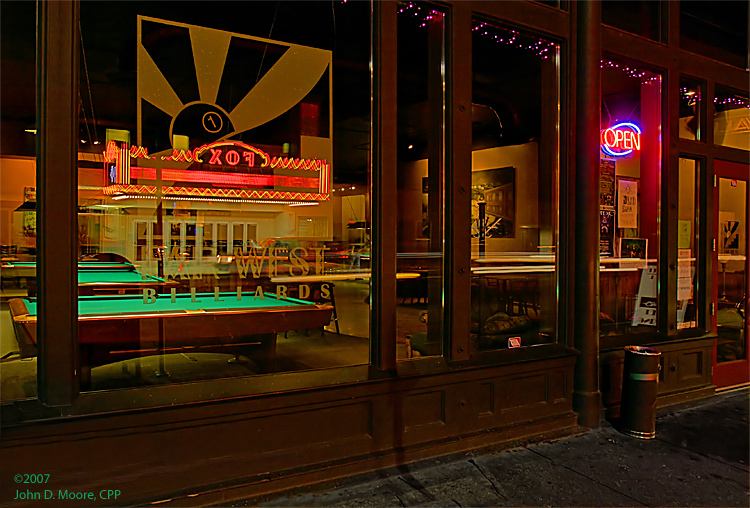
(424, 416)
(534, 395)
(530, 390)
(189, 454)
(610, 377)
(225, 450)
(484, 400)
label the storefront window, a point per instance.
(639, 17)
(420, 238)
(731, 118)
(690, 109)
(18, 211)
(732, 277)
(715, 29)
(223, 191)
(515, 108)
(687, 244)
(630, 179)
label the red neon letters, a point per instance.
(621, 139)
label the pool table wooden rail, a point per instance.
(109, 338)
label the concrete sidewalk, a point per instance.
(699, 458)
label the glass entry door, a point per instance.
(730, 267)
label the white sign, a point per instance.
(646, 302)
(685, 282)
(627, 204)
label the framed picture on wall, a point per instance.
(493, 203)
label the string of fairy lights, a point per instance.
(631, 72)
(732, 100)
(539, 47)
(692, 95)
(423, 14)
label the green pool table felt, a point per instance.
(134, 304)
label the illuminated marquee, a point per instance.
(219, 169)
(621, 139)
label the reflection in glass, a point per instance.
(630, 179)
(18, 234)
(732, 280)
(514, 189)
(639, 17)
(717, 30)
(690, 109)
(687, 242)
(421, 103)
(731, 118)
(224, 225)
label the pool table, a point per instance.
(95, 277)
(119, 327)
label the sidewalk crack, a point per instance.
(416, 485)
(587, 477)
(489, 480)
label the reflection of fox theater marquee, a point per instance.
(228, 169)
(205, 112)
(258, 142)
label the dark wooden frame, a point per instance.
(57, 199)
(402, 410)
(58, 29)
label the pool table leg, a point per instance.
(85, 368)
(264, 355)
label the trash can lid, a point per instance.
(642, 350)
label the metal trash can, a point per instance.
(640, 381)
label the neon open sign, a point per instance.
(621, 139)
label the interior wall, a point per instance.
(525, 158)
(410, 203)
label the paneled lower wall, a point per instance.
(685, 373)
(214, 452)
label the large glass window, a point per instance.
(420, 238)
(630, 179)
(639, 17)
(515, 108)
(18, 230)
(224, 210)
(715, 29)
(731, 118)
(690, 109)
(732, 273)
(687, 243)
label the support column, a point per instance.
(57, 198)
(384, 190)
(586, 395)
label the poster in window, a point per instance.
(495, 188)
(29, 194)
(627, 204)
(731, 243)
(683, 234)
(607, 233)
(29, 224)
(633, 248)
(607, 183)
